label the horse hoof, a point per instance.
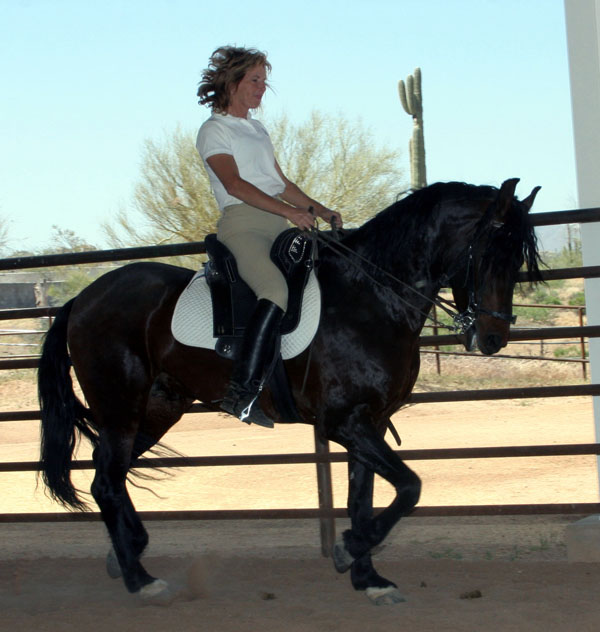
(385, 596)
(113, 568)
(157, 593)
(342, 559)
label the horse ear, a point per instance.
(505, 198)
(528, 201)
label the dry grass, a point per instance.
(478, 372)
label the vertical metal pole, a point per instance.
(327, 522)
(437, 347)
(582, 344)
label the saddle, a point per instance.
(233, 303)
(232, 299)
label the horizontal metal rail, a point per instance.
(28, 312)
(103, 256)
(530, 392)
(588, 272)
(516, 335)
(520, 335)
(504, 356)
(580, 509)
(575, 216)
(435, 454)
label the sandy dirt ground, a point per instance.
(497, 573)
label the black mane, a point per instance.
(406, 225)
(413, 212)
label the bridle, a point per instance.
(473, 310)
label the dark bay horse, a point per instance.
(138, 381)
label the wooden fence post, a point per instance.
(327, 522)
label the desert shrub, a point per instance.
(577, 299)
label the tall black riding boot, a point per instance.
(255, 358)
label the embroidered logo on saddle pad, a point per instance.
(192, 322)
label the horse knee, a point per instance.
(98, 490)
(102, 489)
(412, 491)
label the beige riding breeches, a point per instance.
(249, 234)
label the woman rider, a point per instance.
(256, 200)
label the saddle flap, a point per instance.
(292, 254)
(234, 301)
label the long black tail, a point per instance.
(62, 414)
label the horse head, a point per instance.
(503, 241)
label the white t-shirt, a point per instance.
(248, 142)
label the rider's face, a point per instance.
(249, 92)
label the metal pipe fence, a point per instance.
(323, 458)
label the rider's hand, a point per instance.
(301, 217)
(333, 218)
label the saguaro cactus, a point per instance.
(411, 98)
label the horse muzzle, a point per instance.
(491, 339)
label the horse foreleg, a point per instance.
(370, 454)
(360, 509)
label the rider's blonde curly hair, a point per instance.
(227, 67)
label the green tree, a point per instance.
(334, 160)
(65, 240)
(172, 202)
(69, 281)
(339, 163)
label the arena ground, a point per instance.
(501, 573)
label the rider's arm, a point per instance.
(226, 170)
(294, 195)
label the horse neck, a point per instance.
(418, 250)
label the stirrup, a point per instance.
(243, 405)
(255, 415)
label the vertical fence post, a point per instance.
(327, 522)
(438, 365)
(582, 343)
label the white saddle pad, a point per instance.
(192, 322)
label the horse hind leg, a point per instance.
(164, 408)
(129, 537)
(142, 443)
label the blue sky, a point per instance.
(84, 83)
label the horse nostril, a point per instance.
(493, 342)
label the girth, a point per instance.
(233, 300)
